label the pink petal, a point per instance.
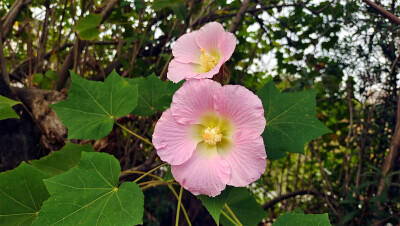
(193, 99)
(178, 71)
(247, 159)
(186, 49)
(202, 173)
(242, 106)
(210, 35)
(227, 46)
(174, 142)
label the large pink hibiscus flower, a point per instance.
(200, 54)
(211, 136)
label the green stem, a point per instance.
(232, 214)
(133, 133)
(149, 172)
(169, 184)
(230, 219)
(140, 172)
(179, 207)
(183, 208)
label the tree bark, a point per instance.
(239, 16)
(9, 19)
(383, 12)
(280, 198)
(394, 151)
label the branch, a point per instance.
(69, 61)
(239, 16)
(9, 19)
(383, 12)
(214, 16)
(3, 63)
(317, 12)
(280, 198)
(394, 150)
(43, 40)
(106, 12)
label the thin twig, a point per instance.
(178, 209)
(383, 12)
(346, 160)
(232, 214)
(288, 195)
(183, 208)
(134, 134)
(149, 172)
(229, 218)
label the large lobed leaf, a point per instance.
(154, 94)
(214, 205)
(22, 193)
(300, 219)
(6, 110)
(291, 120)
(88, 194)
(92, 106)
(62, 160)
(245, 207)
(240, 201)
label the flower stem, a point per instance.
(230, 219)
(149, 172)
(179, 207)
(141, 172)
(183, 208)
(232, 214)
(133, 133)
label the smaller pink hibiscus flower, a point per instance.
(211, 136)
(200, 54)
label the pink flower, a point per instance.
(200, 54)
(211, 136)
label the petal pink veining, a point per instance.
(211, 136)
(200, 54)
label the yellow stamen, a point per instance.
(207, 61)
(212, 135)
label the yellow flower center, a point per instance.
(212, 135)
(207, 61)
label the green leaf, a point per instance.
(300, 219)
(177, 6)
(62, 160)
(349, 216)
(180, 10)
(37, 78)
(6, 110)
(22, 193)
(51, 75)
(214, 204)
(291, 120)
(88, 194)
(168, 176)
(170, 90)
(244, 206)
(91, 107)
(161, 4)
(154, 95)
(88, 26)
